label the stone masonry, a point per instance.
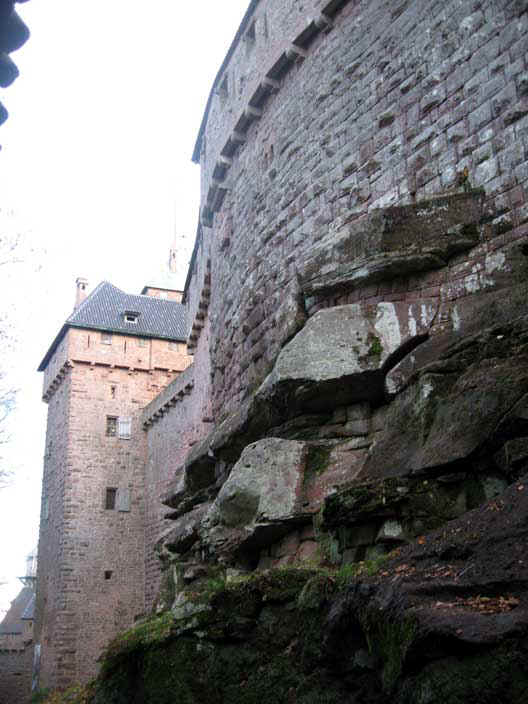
(363, 208)
(363, 224)
(91, 573)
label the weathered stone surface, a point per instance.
(341, 355)
(502, 274)
(455, 405)
(514, 454)
(390, 531)
(396, 241)
(182, 534)
(259, 502)
(443, 621)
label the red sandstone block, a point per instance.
(308, 551)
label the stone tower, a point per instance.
(111, 357)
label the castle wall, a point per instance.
(91, 574)
(127, 351)
(174, 421)
(317, 122)
(15, 675)
(392, 105)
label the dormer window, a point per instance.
(131, 316)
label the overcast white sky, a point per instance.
(95, 171)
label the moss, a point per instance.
(396, 497)
(140, 638)
(76, 694)
(364, 568)
(317, 591)
(167, 592)
(372, 498)
(389, 639)
(317, 461)
(470, 230)
(271, 657)
(499, 676)
(376, 348)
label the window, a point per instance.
(131, 316)
(119, 426)
(142, 342)
(164, 294)
(106, 338)
(125, 428)
(108, 574)
(111, 426)
(174, 346)
(110, 498)
(113, 390)
(117, 499)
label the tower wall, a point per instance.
(383, 105)
(91, 575)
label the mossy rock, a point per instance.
(265, 651)
(499, 676)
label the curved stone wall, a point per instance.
(326, 112)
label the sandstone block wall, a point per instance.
(91, 572)
(174, 421)
(384, 105)
(15, 675)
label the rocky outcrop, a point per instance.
(342, 355)
(419, 402)
(443, 620)
(259, 502)
(396, 241)
(475, 394)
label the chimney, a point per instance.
(80, 293)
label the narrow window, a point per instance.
(110, 498)
(108, 574)
(106, 338)
(125, 428)
(113, 390)
(142, 342)
(111, 426)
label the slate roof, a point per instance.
(12, 622)
(104, 309)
